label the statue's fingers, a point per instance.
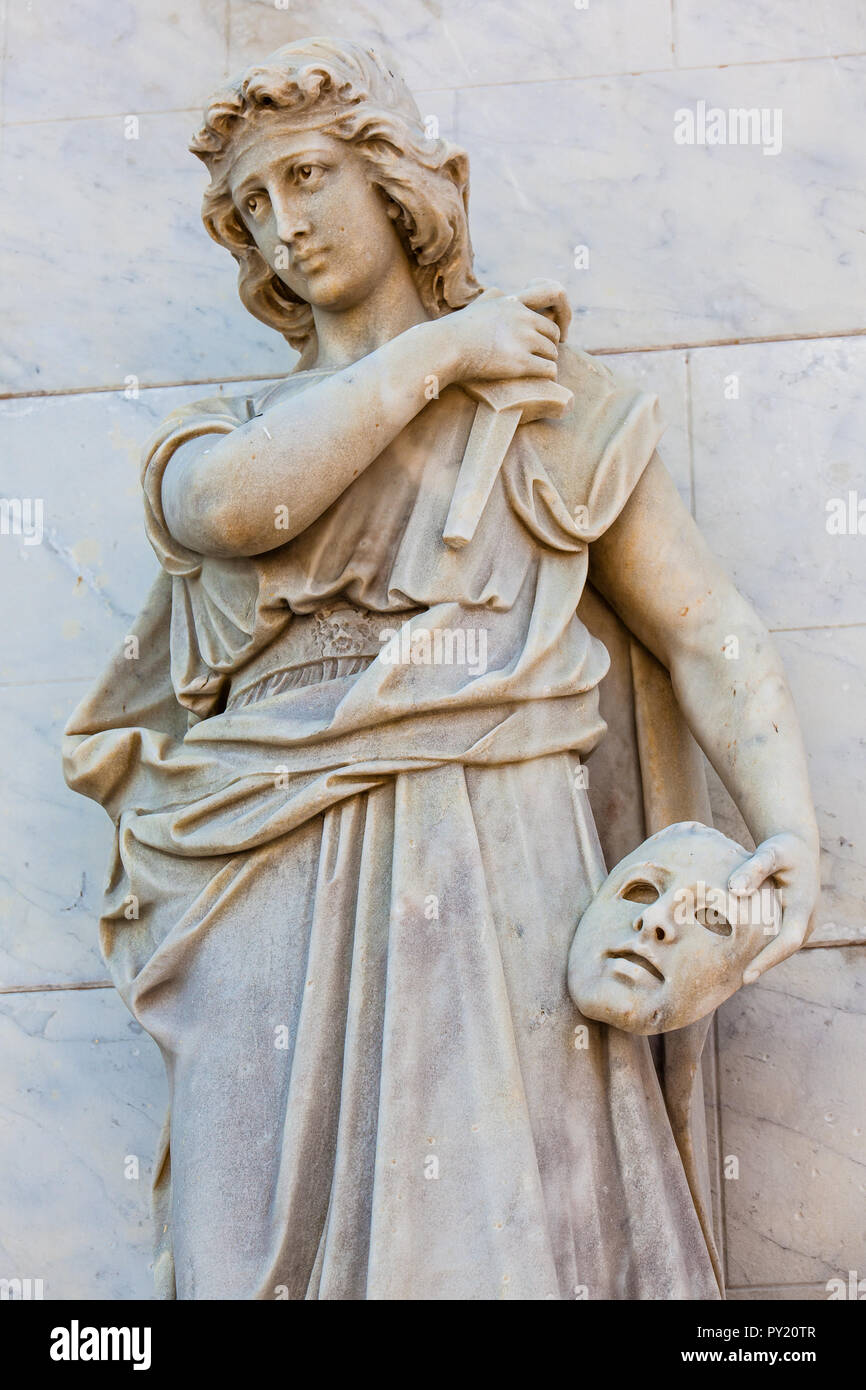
(550, 298)
(749, 877)
(793, 932)
(543, 347)
(543, 288)
(543, 367)
(549, 328)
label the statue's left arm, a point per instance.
(654, 567)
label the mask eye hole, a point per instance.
(640, 891)
(713, 921)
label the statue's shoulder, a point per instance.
(582, 368)
(604, 401)
(222, 412)
(217, 412)
(609, 434)
(591, 379)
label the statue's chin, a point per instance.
(622, 1006)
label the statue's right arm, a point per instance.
(221, 493)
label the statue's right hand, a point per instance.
(501, 336)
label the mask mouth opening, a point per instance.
(638, 959)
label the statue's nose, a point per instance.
(656, 923)
(291, 222)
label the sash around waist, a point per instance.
(339, 639)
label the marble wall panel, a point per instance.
(687, 243)
(54, 846)
(746, 31)
(776, 465)
(793, 1115)
(109, 272)
(455, 44)
(82, 1091)
(73, 58)
(75, 593)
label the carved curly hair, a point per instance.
(360, 100)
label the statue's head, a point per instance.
(321, 172)
(663, 941)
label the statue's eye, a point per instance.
(640, 891)
(255, 204)
(714, 921)
(307, 173)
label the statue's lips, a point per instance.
(308, 257)
(637, 959)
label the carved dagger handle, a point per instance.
(502, 406)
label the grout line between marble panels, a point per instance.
(113, 389)
(511, 82)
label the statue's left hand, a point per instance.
(793, 865)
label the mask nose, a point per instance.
(656, 921)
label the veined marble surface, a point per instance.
(82, 1091)
(151, 296)
(55, 847)
(77, 592)
(793, 1114)
(460, 44)
(686, 243)
(753, 31)
(86, 58)
(768, 466)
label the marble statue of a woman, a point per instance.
(344, 887)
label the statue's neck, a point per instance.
(347, 335)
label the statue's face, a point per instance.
(663, 943)
(316, 217)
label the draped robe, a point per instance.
(344, 886)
